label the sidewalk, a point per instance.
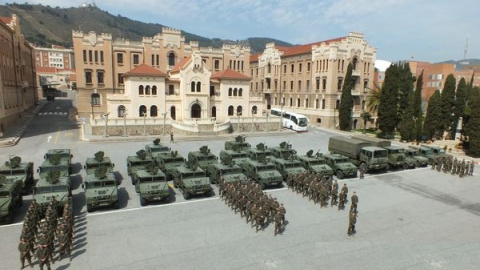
(14, 133)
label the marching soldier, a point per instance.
(43, 255)
(362, 172)
(25, 248)
(341, 197)
(454, 166)
(278, 223)
(282, 211)
(351, 223)
(472, 165)
(353, 207)
(345, 191)
(334, 193)
(64, 244)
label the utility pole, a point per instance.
(125, 124)
(106, 125)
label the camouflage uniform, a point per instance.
(43, 255)
(351, 223)
(25, 248)
(334, 193)
(353, 207)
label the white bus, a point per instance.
(291, 120)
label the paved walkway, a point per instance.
(14, 133)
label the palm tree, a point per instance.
(373, 99)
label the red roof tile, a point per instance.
(227, 74)
(145, 69)
(254, 57)
(180, 65)
(301, 49)
(6, 20)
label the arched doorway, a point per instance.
(355, 123)
(173, 114)
(196, 111)
(214, 111)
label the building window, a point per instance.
(95, 99)
(299, 67)
(254, 110)
(120, 58)
(90, 56)
(299, 85)
(291, 85)
(199, 86)
(363, 104)
(316, 103)
(96, 56)
(120, 78)
(308, 67)
(308, 85)
(140, 90)
(339, 85)
(284, 68)
(217, 64)
(153, 59)
(142, 111)
(324, 84)
(153, 111)
(173, 113)
(292, 68)
(192, 87)
(317, 83)
(121, 111)
(171, 89)
(298, 102)
(230, 91)
(230, 110)
(365, 85)
(136, 59)
(239, 110)
(240, 92)
(147, 90)
(323, 104)
(171, 59)
(291, 102)
(158, 59)
(212, 90)
(88, 76)
(100, 77)
(154, 90)
(306, 103)
(235, 92)
(101, 57)
(84, 56)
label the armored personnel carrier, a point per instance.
(287, 165)
(432, 151)
(99, 160)
(315, 163)
(65, 157)
(420, 161)
(239, 144)
(284, 149)
(235, 155)
(260, 152)
(134, 163)
(100, 189)
(151, 185)
(202, 158)
(341, 165)
(153, 150)
(226, 171)
(15, 167)
(167, 161)
(54, 162)
(262, 172)
(52, 185)
(397, 158)
(191, 180)
(11, 188)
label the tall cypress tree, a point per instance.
(433, 120)
(346, 101)
(460, 102)
(448, 103)
(407, 128)
(405, 86)
(472, 129)
(387, 109)
(418, 106)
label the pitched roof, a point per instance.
(301, 49)
(254, 57)
(145, 69)
(227, 74)
(6, 20)
(179, 65)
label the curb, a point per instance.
(15, 139)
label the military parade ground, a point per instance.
(407, 218)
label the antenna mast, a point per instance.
(466, 50)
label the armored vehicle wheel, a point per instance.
(417, 164)
(340, 174)
(143, 202)
(116, 205)
(89, 209)
(262, 186)
(20, 202)
(405, 166)
(10, 217)
(186, 196)
(210, 193)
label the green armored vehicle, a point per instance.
(138, 162)
(420, 161)
(54, 162)
(52, 184)
(11, 188)
(237, 156)
(282, 150)
(15, 167)
(64, 154)
(167, 161)
(288, 165)
(315, 163)
(202, 158)
(227, 171)
(191, 180)
(239, 144)
(261, 151)
(432, 151)
(262, 172)
(341, 165)
(100, 183)
(151, 185)
(397, 158)
(153, 150)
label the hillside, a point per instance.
(45, 25)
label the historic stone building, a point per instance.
(17, 72)
(308, 79)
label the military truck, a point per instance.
(100, 189)
(239, 144)
(153, 150)
(341, 165)
(420, 161)
(11, 188)
(283, 149)
(167, 161)
(191, 180)
(202, 158)
(134, 163)
(432, 151)
(237, 156)
(396, 155)
(262, 172)
(287, 165)
(52, 184)
(260, 152)
(64, 154)
(54, 162)
(227, 170)
(360, 153)
(151, 185)
(315, 163)
(15, 167)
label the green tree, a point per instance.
(405, 86)
(387, 109)
(346, 101)
(407, 127)
(433, 120)
(418, 107)
(460, 102)
(448, 103)
(472, 128)
(366, 116)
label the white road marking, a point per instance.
(49, 138)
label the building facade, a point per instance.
(17, 72)
(55, 57)
(308, 79)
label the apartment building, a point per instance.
(308, 78)
(17, 72)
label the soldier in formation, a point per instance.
(353, 206)
(318, 188)
(352, 220)
(40, 235)
(453, 165)
(258, 208)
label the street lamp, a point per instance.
(91, 104)
(238, 114)
(125, 124)
(144, 114)
(106, 124)
(164, 116)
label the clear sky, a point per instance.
(427, 30)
